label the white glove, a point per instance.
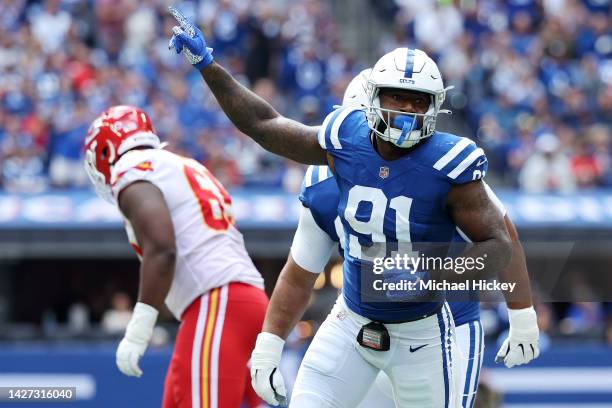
(136, 339)
(266, 378)
(521, 346)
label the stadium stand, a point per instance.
(521, 70)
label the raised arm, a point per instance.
(259, 120)
(250, 114)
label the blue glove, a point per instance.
(189, 40)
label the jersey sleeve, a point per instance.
(132, 167)
(313, 176)
(311, 247)
(334, 133)
(304, 196)
(320, 194)
(463, 162)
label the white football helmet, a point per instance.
(356, 91)
(412, 70)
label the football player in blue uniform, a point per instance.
(319, 224)
(399, 181)
(318, 233)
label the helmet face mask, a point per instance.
(409, 70)
(116, 131)
(403, 129)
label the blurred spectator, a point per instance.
(21, 165)
(546, 324)
(292, 178)
(584, 165)
(140, 25)
(438, 26)
(78, 318)
(11, 12)
(22, 171)
(548, 169)
(582, 318)
(116, 319)
(50, 25)
(110, 17)
(600, 138)
(219, 162)
(66, 167)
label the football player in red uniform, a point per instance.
(179, 221)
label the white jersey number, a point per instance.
(374, 225)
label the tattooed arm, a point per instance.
(251, 114)
(260, 121)
(475, 214)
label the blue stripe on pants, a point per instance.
(449, 335)
(468, 377)
(481, 352)
(442, 326)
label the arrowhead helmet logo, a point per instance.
(384, 172)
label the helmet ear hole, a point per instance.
(104, 153)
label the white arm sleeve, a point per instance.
(311, 246)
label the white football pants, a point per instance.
(422, 363)
(470, 342)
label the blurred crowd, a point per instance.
(533, 81)
(62, 62)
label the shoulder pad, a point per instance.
(313, 176)
(134, 165)
(460, 159)
(331, 136)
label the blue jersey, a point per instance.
(392, 201)
(321, 196)
(464, 312)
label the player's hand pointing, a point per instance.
(188, 39)
(521, 346)
(136, 339)
(266, 378)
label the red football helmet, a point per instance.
(117, 130)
